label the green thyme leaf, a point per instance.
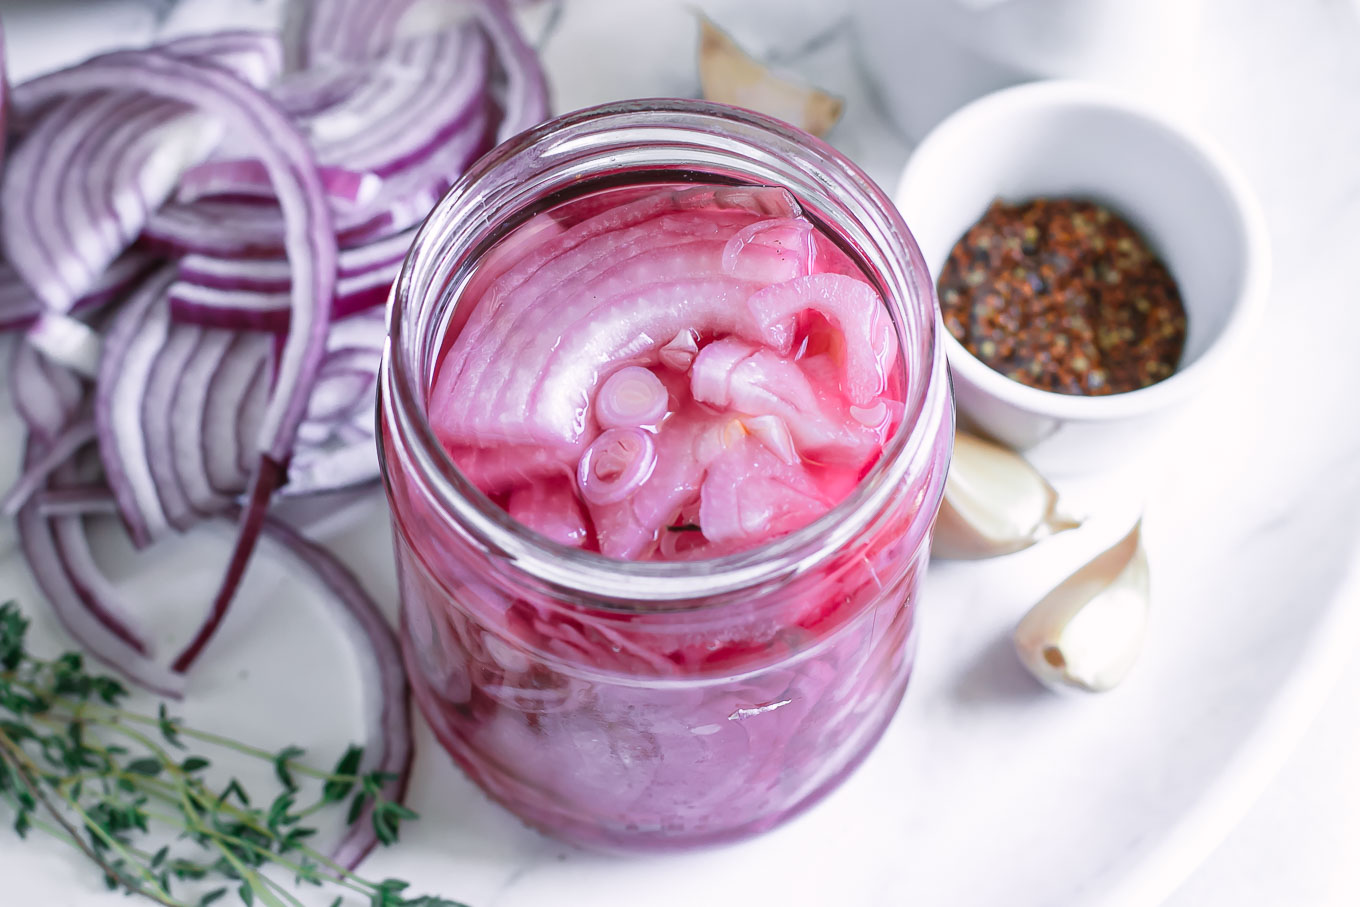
(281, 761)
(343, 776)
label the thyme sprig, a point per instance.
(112, 783)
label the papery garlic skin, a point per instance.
(729, 75)
(995, 503)
(1087, 633)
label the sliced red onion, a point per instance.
(273, 274)
(58, 554)
(773, 432)
(60, 234)
(537, 399)
(526, 383)
(135, 338)
(421, 92)
(166, 439)
(250, 413)
(239, 229)
(735, 376)
(792, 236)
(346, 466)
(76, 500)
(307, 92)
(551, 509)
(253, 293)
(419, 159)
(853, 308)
(874, 416)
(631, 397)
(337, 31)
(129, 148)
(57, 550)
(193, 436)
(248, 178)
(679, 353)
(166, 468)
(626, 528)
(48, 397)
(255, 56)
(417, 119)
(229, 389)
(571, 308)
(586, 251)
(289, 162)
(67, 342)
(55, 453)
(388, 744)
(749, 495)
(524, 100)
(615, 464)
(266, 478)
(19, 308)
(497, 469)
(366, 331)
(340, 412)
(268, 310)
(311, 252)
(347, 382)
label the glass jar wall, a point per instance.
(654, 704)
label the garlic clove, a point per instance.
(994, 503)
(728, 75)
(1087, 633)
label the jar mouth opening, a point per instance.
(634, 585)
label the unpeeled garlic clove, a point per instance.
(727, 74)
(1087, 633)
(994, 503)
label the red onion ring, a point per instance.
(389, 746)
(525, 100)
(19, 308)
(615, 465)
(312, 254)
(248, 178)
(55, 453)
(631, 397)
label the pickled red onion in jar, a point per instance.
(695, 360)
(663, 453)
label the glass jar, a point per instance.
(640, 705)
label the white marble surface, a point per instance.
(985, 790)
(1297, 844)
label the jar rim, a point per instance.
(649, 585)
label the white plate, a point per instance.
(986, 790)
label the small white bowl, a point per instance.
(1062, 138)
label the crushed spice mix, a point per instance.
(1063, 295)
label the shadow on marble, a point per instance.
(995, 677)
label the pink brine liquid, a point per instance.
(665, 373)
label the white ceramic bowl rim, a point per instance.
(1244, 313)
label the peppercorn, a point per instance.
(1063, 295)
